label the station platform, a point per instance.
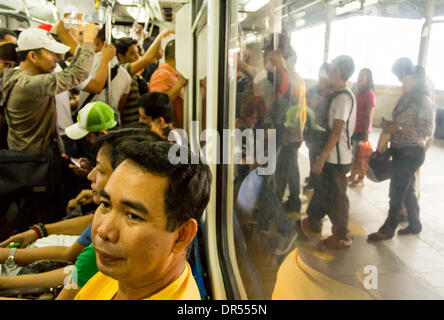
(408, 267)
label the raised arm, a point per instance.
(97, 84)
(149, 56)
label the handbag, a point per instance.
(380, 166)
(22, 170)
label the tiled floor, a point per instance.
(410, 267)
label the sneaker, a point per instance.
(308, 187)
(285, 244)
(336, 243)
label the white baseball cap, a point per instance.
(93, 117)
(34, 38)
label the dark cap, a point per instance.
(345, 65)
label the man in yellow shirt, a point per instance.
(144, 225)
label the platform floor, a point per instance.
(409, 267)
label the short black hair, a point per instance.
(170, 50)
(22, 55)
(122, 45)
(188, 190)
(148, 42)
(403, 67)
(113, 138)
(157, 104)
(8, 52)
(102, 34)
(4, 32)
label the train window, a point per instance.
(274, 53)
(435, 62)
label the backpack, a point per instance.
(321, 131)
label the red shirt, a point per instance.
(163, 79)
(365, 101)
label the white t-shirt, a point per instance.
(64, 118)
(340, 109)
(120, 85)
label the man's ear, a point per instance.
(32, 56)
(185, 235)
(160, 122)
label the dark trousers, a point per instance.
(287, 172)
(270, 208)
(330, 198)
(405, 162)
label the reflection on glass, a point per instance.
(284, 86)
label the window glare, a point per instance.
(373, 42)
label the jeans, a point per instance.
(330, 198)
(270, 208)
(405, 162)
(287, 173)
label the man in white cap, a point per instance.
(30, 110)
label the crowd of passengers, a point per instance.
(133, 246)
(136, 213)
(334, 118)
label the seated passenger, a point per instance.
(85, 266)
(106, 159)
(94, 120)
(141, 242)
(167, 79)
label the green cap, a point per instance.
(93, 117)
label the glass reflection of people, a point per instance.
(411, 128)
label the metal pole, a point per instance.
(108, 36)
(328, 19)
(425, 34)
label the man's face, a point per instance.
(10, 39)
(333, 74)
(45, 60)
(100, 174)
(132, 55)
(129, 227)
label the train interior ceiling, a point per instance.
(240, 261)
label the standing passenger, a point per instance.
(167, 79)
(412, 126)
(366, 101)
(30, 112)
(333, 163)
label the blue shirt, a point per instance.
(85, 237)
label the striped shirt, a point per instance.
(130, 113)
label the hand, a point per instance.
(85, 167)
(318, 166)
(182, 80)
(24, 238)
(84, 197)
(90, 32)
(166, 34)
(277, 60)
(390, 126)
(108, 52)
